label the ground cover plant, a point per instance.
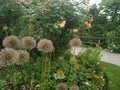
(19, 71)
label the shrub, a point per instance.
(113, 40)
(86, 73)
(56, 20)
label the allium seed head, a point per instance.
(28, 42)
(45, 46)
(11, 42)
(74, 87)
(8, 56)
(23, 57)
(75, 42)
(61, 86)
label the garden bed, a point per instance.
(83, 71)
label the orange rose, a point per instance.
(46, 5)
(88, 25)
(29, 1)
(62, 24)
(75, 30)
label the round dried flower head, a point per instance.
(11, 42)
(23, 57)
(45, 46)
(75, 42)
(28, 42)
(8, 56)
(74, 87)
(61, 86)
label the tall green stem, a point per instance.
(43, 64)
(21, 71)
(49, 66)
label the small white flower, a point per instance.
(87, 83)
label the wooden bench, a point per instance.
(92, 40)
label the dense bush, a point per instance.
(113, 40)
(54, 20)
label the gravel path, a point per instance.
(109, 57)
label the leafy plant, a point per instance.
(87, 75)
(113, 40)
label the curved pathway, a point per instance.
(109, 57)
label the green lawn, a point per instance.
(113, 73)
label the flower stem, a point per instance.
(43, 64)
(49, 66)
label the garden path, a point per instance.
(113, 58)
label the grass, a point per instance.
(113, 73)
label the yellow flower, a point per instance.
(76, 66)
(87, 83)
(59, 74)
(5, 27)
(86, 23)
(61, 58)
(75, 30)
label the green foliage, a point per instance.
(113, 40)
(86, 76)
(43, 20)
(10, 12)
(90, 57)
